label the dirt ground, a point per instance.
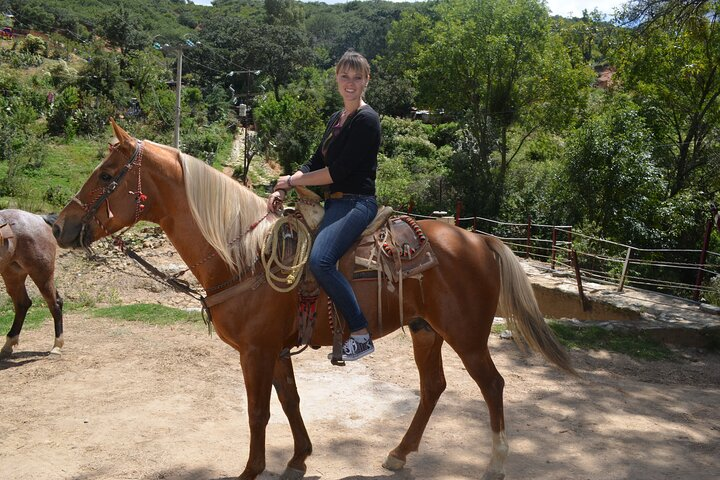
(128, 400)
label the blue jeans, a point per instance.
(345, 219)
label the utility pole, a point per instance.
(178, 49)
(243, 113)
(178, 96)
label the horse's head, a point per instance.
(310, 207)
(109, 200)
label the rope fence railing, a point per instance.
(693, 274)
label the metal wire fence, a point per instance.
(686, 273)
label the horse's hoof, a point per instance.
(393, 463)
(292, 474)
(56, 351)
(7, 349)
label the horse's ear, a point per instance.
(307, 194)
(120, 134)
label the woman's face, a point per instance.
(351, 85)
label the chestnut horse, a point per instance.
(27, 248)
(218, 226)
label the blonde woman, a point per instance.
(346, 163)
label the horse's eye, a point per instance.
(105, 177)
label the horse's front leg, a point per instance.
(257, 367)
(284, 382)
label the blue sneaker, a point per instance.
(355, 350)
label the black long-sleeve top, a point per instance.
(350, 152)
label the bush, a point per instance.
(92, 117)
(57, 195)
(203, 143)
(62, 74)
(62, 121)
(288, 127)
(33, 45)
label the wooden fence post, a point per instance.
(624, 270)
(583, 299)
(554, 243)
(458, 208)
(703, 253)
(528, 235)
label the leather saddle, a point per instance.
(394, 246)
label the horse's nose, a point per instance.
(57, 231)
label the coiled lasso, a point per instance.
(289, 274)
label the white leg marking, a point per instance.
(57, 346)
(7, 349)
(496, 468)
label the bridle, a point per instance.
(101, 194)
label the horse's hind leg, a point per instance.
(481, 368)
(15, 287)
(427, 347)
(284, 383)
(46, 285)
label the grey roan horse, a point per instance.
(28, 248)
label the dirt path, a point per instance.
(133, 401)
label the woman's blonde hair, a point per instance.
(352, 60)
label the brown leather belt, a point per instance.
(337, 195)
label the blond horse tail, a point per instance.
(520, 309)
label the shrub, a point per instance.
(33, 45)
(62, 120)
(203, 143)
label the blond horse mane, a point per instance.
(224, 210)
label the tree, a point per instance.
(411, 167)
(289, 127)
(232, 43)
(284, 12)
(279, 52)
(389, 93)
(589, 36)
(674, 73)
(99, 76)
(610, 177)
(120, 28)
(496, 64)
(648, 13)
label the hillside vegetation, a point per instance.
(492, 104)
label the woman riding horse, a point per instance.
(218, 227)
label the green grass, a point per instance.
(636, 345)
(148, 313)
(142, 312)
(37, 314)
(498, 328)
(64, 169)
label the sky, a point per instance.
(565, 8)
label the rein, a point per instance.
(182, 286)
(103, 193)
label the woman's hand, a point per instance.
(275, 201)
(284, 183)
